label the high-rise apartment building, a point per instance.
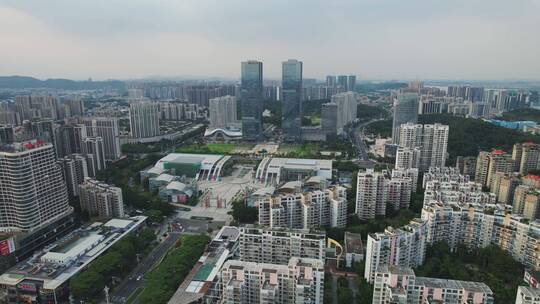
(476, 226)
(526, 157)
(251, 98)
(304, 209)
(69, 139)
(278, 246)
(466, 165)
(75, 171)
(526, 202)
(405, 246)
(222, 112)
(405, 111)
(107, 129)
(431, 140)
(407, 158)
(504, 185)
(370, 194)
(489, 163)
(32, 190)
(291, 102)
(101, 199)
(346, 109)
(300, 281)
(144, 119)
(396, 284)
(92, 149)
(398, 193)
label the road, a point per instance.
(356, 135)
(135, 279)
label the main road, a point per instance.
(356, 134)
(135, 279)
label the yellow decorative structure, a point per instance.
(329, 243)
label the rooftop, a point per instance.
(202, 275)
(60, 261)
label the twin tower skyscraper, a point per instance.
(251, 98)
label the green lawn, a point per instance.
(300, 151)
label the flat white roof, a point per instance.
(25, 269)
(176, 186)
(165, 177)
(118, 223)
(78, 247)
(155, 170)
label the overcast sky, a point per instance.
(375, 39)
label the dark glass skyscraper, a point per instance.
(292, 99)
(405, 111)
(251, 97)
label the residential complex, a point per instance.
(100, 199)
(489, 163)
(346, 109)
(526, 157)
(304, 206)
(405, 246)
(377, 191)
(278, 245)
(222, 112)
(431, 140)
(106, 128)
(33, 192)
(398, 284)
(144, 119)
(407, 158)
(405, 110)
(300, 281)
(257, 265)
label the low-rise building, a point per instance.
(354, 249)
(196, 166)
(203, 283)
(44, 277)
(273, 170)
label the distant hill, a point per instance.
(23, 82)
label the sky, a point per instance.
(374, 39)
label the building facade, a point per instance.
(405, 111)
(291, 100)
(144, 119)
(32, 189)
(251, 98)
(100, 199)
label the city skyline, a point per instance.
(413, 40)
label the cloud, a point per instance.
(372, 38)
